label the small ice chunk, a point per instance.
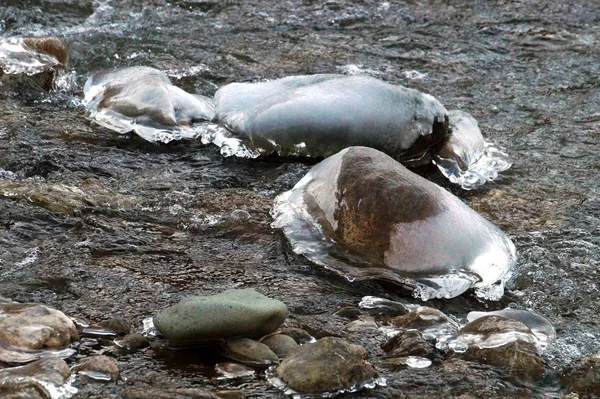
(143, 100)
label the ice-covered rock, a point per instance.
(319, 115)
(143, 100)
(365, 216)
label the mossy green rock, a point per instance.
(230, 314)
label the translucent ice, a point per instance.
(466, 158)
(24, 55)
(143, 100)
(365, 216)
(319, 115)
(539, 325)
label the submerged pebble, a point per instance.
(30, 331)
(408, 343)
(230, 314)
(326, 367)
(143, 100)
(228, 370)
(391, 224)
(44, 379)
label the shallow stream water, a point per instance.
(162, 222)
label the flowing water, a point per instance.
(102, 225)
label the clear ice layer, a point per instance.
(492, 161)
(539, 325)
(281, 385)
(144, 101)
(319, 115)
(17, 58)
(440, 256)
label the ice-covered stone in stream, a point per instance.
(319, 115)
(365, 216)
(143, 100)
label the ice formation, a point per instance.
(365, 216)
(319, 115)
(143, 100)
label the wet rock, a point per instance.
(327, 365)
(132, 343)
(382, 307)
(250, 352)
(62, 198)
(349, 312)
(38, 58)
(299, 335)
(28, 326)
(41, 379)
(408, 343)
(228, 370)
(392, 225)
(166, 393)
(143, 100)
(503, 343)
(432, 323)
(282, 345)
(119, 326)
(402, 363)
(583, 378)
(232, 313)
(231, 394)
(99, 368)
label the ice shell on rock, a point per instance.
(365, 216)
(500, 342)
(229, 314)
(329, 365)
(465, 158)
(38, 57)
(43, 379)
(539, 325)
(143, 100)
(319, 115)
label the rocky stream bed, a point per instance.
(110, 229)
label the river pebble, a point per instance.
(327, 365)
(99, 368)
(132, 343)
(281, 344)
(583, 378)
(43, 379)
(31, 327)
(408, 343)
(232, 313)
(250, 352)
